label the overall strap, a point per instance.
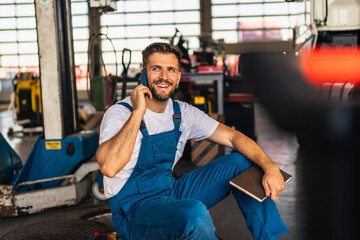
(126, 105)
(142, 125)
(177, 115)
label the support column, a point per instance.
(57, 70)
(206, 22)
(205, 17)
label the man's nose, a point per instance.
(164, 75)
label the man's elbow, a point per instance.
(105, 168)
(107, 171)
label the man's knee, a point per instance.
(194, 220)
(194, 207)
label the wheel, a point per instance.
(97, 192)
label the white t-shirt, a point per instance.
(195, 124)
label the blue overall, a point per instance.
(153, 205)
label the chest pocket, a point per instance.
(164, 147)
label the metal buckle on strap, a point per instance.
(177, 117)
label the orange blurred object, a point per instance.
(330, 65)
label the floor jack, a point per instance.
(60, 168)
(52, 185)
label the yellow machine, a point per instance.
(28, 98)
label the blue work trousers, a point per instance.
(184, 213)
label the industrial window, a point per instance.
(136, 23)
(245, 20)
(18, 46)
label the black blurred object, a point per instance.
(332, 162)
(338, 38)
(124, 74)
(241, 116)
(206, 55)
(203, 57)
(354, 95)
(185, 59)
(239, 106)
(236, 84)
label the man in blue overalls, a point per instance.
(141, 139)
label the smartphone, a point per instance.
(142, 79)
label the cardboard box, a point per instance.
(205, 151)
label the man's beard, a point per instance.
(160, 97)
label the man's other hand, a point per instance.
(273, 182)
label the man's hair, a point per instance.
(160, 47)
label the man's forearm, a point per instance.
(115, 153)
(253, 152)
(236, 140)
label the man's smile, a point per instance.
(161, 85)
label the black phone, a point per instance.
(142, 79)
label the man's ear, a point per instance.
(179, 77)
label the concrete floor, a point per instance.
(280, 146)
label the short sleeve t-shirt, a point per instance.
(195, 124)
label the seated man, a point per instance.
(141, 139)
